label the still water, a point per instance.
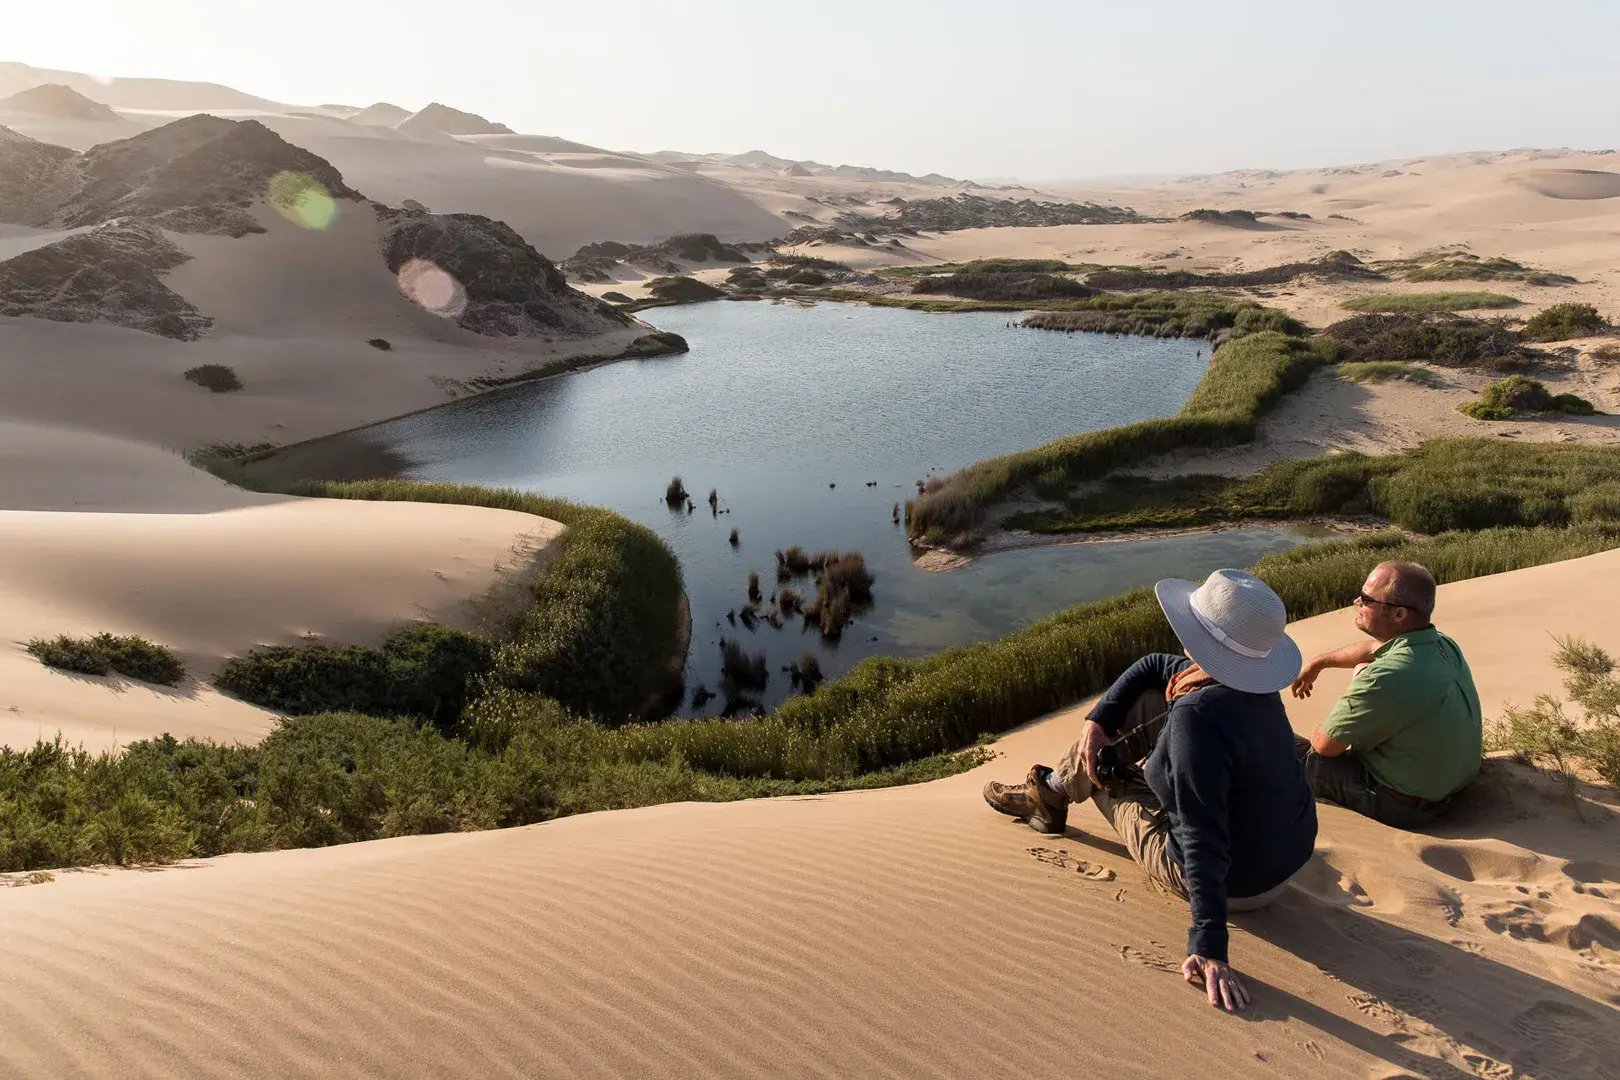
(812, 423)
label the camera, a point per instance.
(1110, 770)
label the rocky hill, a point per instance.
(31, 174)
(111, 274)
(57, 101)
(207, 175)
(439, 119)
(598, 262)
(197, 175)
(508, 287)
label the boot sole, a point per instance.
(1046, 828)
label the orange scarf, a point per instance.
(1187, 680)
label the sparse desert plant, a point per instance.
(1547, 735)
(1435, 301)
(1560, 322)
(675, 492)
(107, 654)
(216, 377)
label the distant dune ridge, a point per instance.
(437, 119)
(59, 101)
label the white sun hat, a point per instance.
(1233, 627)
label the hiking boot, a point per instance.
(1050, 812)
(1010, 799)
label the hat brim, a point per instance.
(1251, 675)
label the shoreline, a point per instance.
(942, 559)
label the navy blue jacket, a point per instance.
(1242, 817)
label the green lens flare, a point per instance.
(302, 200)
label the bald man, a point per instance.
(1406, 736)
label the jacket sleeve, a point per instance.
(1152, 672)
(1201, 775)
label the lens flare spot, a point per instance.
(302, 200)
(433, 288)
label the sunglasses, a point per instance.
(1363, 598)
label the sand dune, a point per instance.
(1573, 183)
(902, 932)
(212, 571)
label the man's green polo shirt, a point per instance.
(1412, 715)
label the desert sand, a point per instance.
(903, 932)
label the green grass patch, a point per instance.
(1423, 302)
(109, 654)
(1246, 376)
(1367, 371)
(1443, 485)
(1002, 285)
(1460, 266)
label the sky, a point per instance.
(1031, 89)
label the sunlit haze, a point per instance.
(1036, 90)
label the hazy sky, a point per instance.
(1038, 89)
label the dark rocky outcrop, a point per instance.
(599, 261)
(511, 289)
(1233, 219)
(197, 175)
(110, 274)
(682, 290)
(32, 175)
(57, 101)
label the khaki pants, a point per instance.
(1136, 813)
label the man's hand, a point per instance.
(1301, 686)
(1223, 984)
(1092, 739)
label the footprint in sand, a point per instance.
(1064, 861)
(1564, 1040)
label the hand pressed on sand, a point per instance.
(1222, 983)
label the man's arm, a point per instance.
(1360, 652)
(1326, 745)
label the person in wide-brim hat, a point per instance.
(1219, 811)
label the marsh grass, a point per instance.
(1461, 266)
(1446, 484)
(1425, 302)
(1246, 377)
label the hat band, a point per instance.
(1220, 635)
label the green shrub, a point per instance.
(1517, 394)
(1560, 322)
(1001, 285)
(1572, 404)
(1423, 302)
(1481, 411)
(1447, 340)
(106, 654)
(216, 377)
(1461, 266)
(425, 671)
(1545, 734)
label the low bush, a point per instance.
(425, 671)
(1425, 302)
(1560, 322)
(216, 377)
(1447, 340)
(1517, 395)
(379, 343)
(107, 654)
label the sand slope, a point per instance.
(907, 932)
